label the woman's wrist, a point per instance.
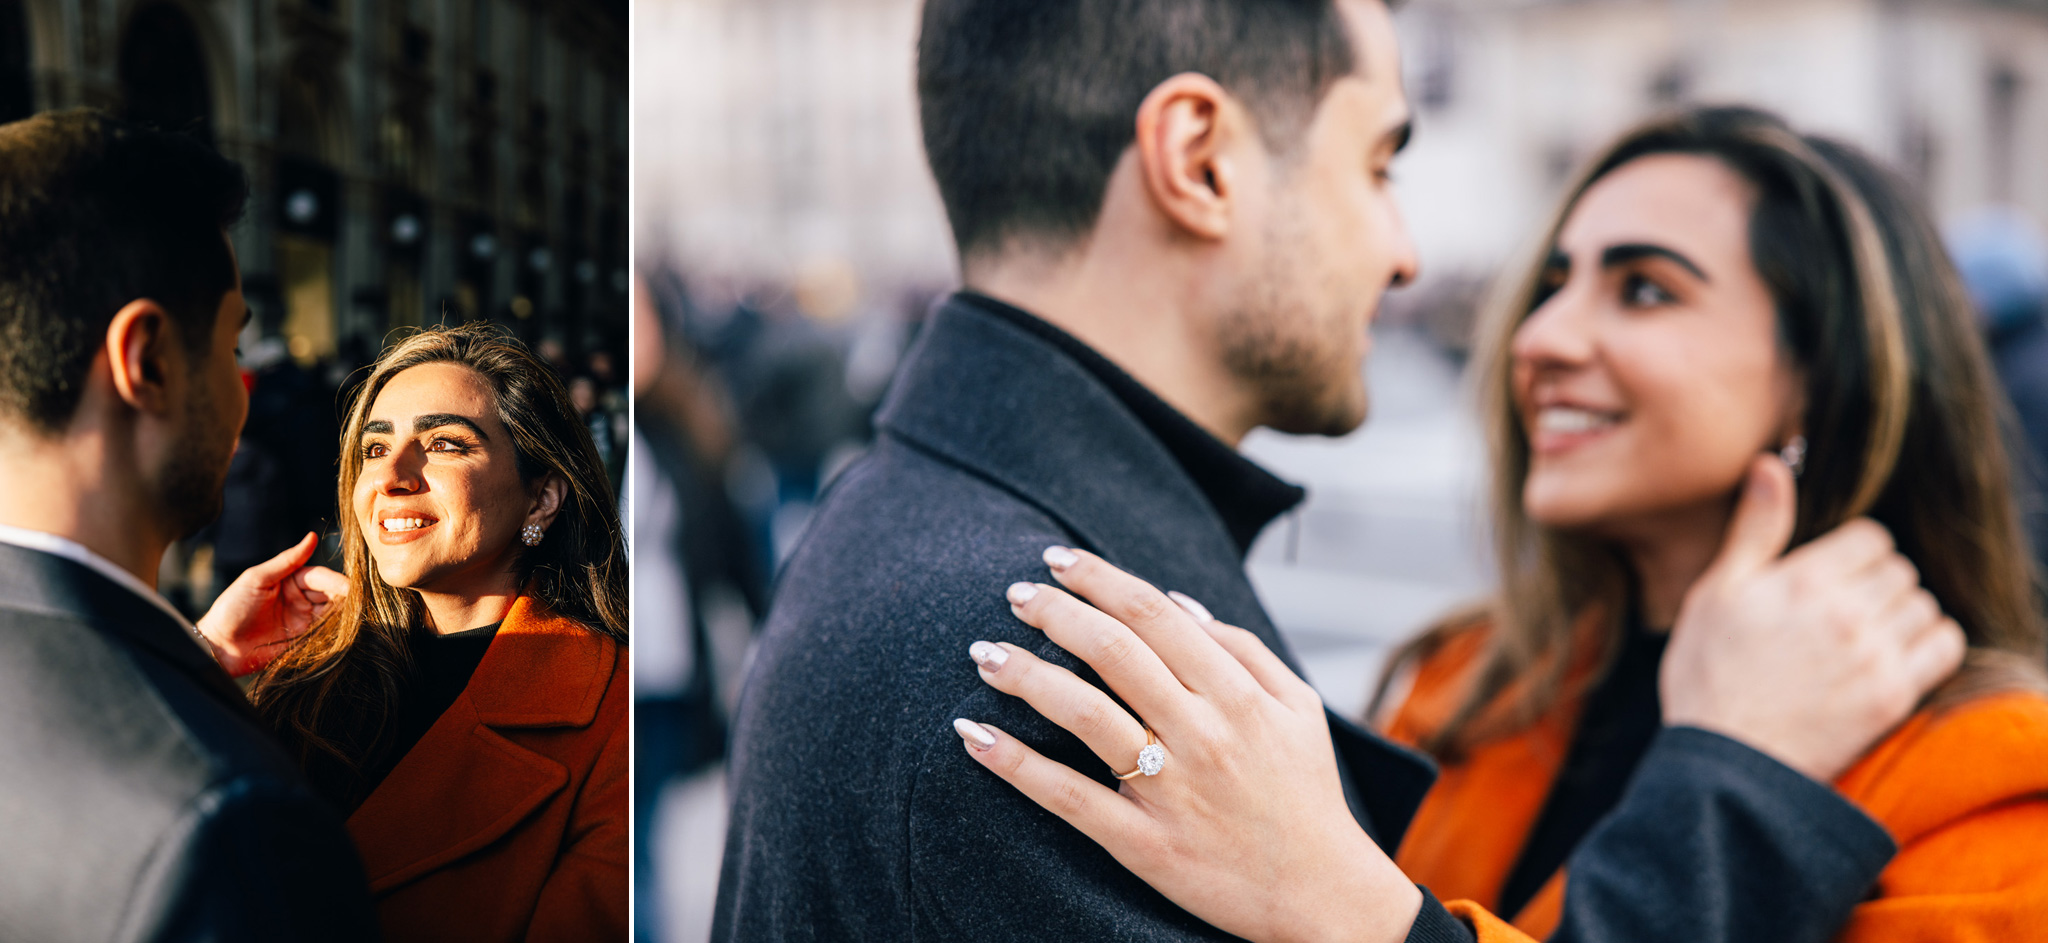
(1364, 898)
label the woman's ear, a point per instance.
(547, 501)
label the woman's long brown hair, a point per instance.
(331, 694)
(1904, 423)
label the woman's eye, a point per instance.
(1550, 283)
(446, 445)
(1640, 292)
(374, 450)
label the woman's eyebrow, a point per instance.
(437, 420)
(423, 423)
(1619, 255)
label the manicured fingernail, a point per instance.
(975, 734)
(1021, 593)
(1199, 611)
(989, 655)
(1059, 558)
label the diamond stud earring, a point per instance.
(1794, 455)
(531, 535)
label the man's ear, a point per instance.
(1189, 134)
(142, 355)
(547, 501)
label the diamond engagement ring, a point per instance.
(1151, 759)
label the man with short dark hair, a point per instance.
(1174, 224)
(140, 797)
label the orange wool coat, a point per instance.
(508, 820)
(1963, 792)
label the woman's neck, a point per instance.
(472, 608)
(1670, 555)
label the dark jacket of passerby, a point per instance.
(858, 816)
(140, 799)
(2019, 349)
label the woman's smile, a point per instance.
(403, 525)
(1561, 427)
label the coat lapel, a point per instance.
(466, 783)
(986, 395)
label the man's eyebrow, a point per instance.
(437, 420)
(377, 427)
(1618, 255)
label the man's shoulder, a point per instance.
(120, 705)
(119, 770)
(905, 533)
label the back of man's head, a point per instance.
(95, 213)
(1027, 105)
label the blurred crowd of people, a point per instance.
(747, 406)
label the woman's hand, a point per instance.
(268, 606)
(1809, 656)
(1245, 825)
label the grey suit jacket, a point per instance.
(139, 797)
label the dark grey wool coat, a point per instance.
(140, 798)
(857, 814)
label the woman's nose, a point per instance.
(400, 474)
(1558, 334)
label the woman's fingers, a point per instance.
(1169, 629)
(1125, 662)
(1272, 674)
(1098, 811)
(1080, 708)
(1935, 653)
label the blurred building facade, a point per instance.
(777, 142)
(778, 133)
(1513, 95)
(412, 161)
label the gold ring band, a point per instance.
(1150, 740)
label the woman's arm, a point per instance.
(1245, 824)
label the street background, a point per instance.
(411, 163)
(788, 242)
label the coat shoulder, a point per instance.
(1947, 764)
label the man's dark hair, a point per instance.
(95, 213)
(1028, 104)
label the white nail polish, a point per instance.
(1199, 611)
(988, 655)
(975, 734)
(1059, 558)
(1021, 593)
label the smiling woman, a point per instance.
(465, 700)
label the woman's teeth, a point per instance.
(397, 524)
(1565, 419)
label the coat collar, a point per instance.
(983, 394)
(466, 783)
(542, 670)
